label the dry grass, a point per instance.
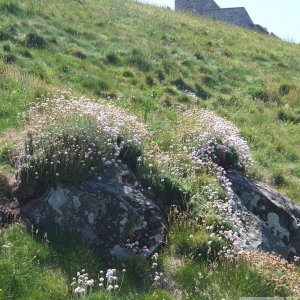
(276, 269)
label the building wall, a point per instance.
(195, 5)
(237, 16)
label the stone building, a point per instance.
(209, 8)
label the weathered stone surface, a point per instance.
(103, 213)
(195, 5)
(209, 8)
(236, 15)
(271, 220)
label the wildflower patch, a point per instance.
(72, 139)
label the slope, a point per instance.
(155, 63)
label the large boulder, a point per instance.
(271, 220)
(113, 212)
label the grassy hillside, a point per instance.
(157, 64)
(145, 58)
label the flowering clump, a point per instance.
(214, 139)
(215, 145)
(70, 138)
(157, 277)
(82, 285)
(206, 145)
(136, 248)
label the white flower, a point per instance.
(7, 246)
(79, 290)
(90, 282)
(110, 288)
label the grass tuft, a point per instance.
(33, 40)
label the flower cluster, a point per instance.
(214, 145)
(82, 285)
(70, 138)
(226, 211)
(112, 280)
(214, 139)
(205, 144)
(136, 248)
(157, 277)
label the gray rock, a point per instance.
(105, 213)
(271, 220)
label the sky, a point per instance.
(282, 17)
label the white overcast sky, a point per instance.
(282, 17)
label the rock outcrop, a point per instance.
(271, 220)
(111, 212)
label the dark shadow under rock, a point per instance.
(104, 213)
(271, 220)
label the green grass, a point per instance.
(145, 59)
(145, 63)
(38, 266)
(198, 280)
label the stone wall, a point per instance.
(208, 8)
(195, 5)
(237, 16)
